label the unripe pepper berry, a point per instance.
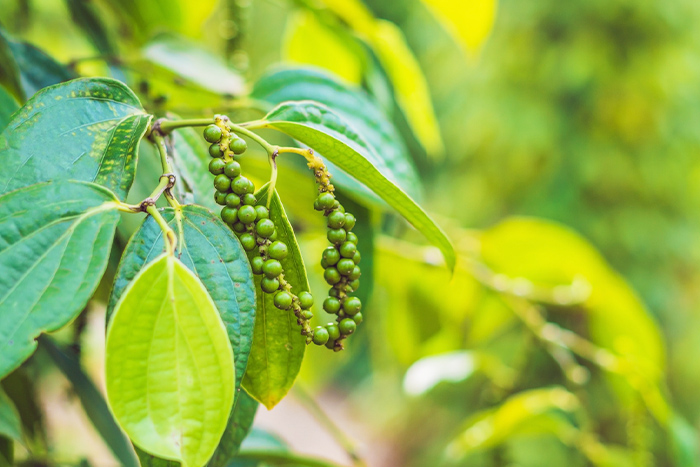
(229, 215)
(265, 228)
(233, 200)
(283, 300)
(347, 249)
(256, 264)
(336, 235)
(321, 335)
(345, 266)
(272, 268)
(248, 241)
(326, 200)
(333, 331)
(306, 300)
(215, 150)
(331, 255)
(352, 305)
(212, 133)
(222, 183)
(232, 169)
(220, 198)
(336, 220)
(269, 285)
(238, 145)
(240, 185)
(331, 305)
(246, 214)
(331, 275)
(347, 326)
(216, 166)
(277, 250)
(262, 212)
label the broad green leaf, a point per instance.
(10, 424)
(191, 160)
(169, 364)
(8, 105)
(7, 451)
(401, 66)
(10, 77)
(148, 460)
(318, 127)
(55, 240)
(357, 108)
(546, 254)
(37, 70)
(194, 63)
(528, 412)
(307, 40)
(86, 129)
(21, 389)
(239, 425)
(278, 346)
(469, 22)
(93, 403)
(211, 251)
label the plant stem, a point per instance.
(169, 233)
(238, 129)
(159, 141)
(166, 126)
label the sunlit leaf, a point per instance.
(319, 128)
(469, 22)
(428, 372)
(86, 129)
(310, 42)
(278, 346)
(357, 108)
(209, 249)
(92, 401)
(55, 240)
(169, 364)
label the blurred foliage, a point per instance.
(580, 115)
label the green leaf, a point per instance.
(278, 346)
(93, 403)
(318, 127)
(239, 424)
(85, 15)
(20, 387)
(37, 70)
(8, 105)
(359, 110)
(10, 424)
(528, 412)
(10, 77)
(7, 451)
(55, 240)
(194, 63)
(169, 364)
(211, 251)
(86, 129)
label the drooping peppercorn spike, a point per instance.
(252, 223)
(340, 263)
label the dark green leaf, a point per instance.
(10, 77)
(239, 424)
(55, 240)
(357, 108)
(86, 129)
(94, 404)
(20, 387)
(37, 69)
(8, 105)
(278, 346)
(191, 161)
(319, 128)
(7, 451)
(10, 424)
(208, 248)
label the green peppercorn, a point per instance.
(357, 257)
(334, 292)
(239, 185)
(354, 284)
(220, 198)
(333, 331)
(336, 235)
(331, 275)
(232, 169)
(273, 237)
(248, 241)
(238, 145)
(347, 249)
(357, 318)
(355, 274)
(347, 326)
(216, 166)
(324, 263)
(239, 227)
(246, 214)
(306, 300)
(272, 268)
(320, 335)
(351, 305)
(317, 206)
(256, 264)
(352, 238)
(283, 300)
(233, 200)
(222, 182)
(249, 199)
(269, 285)
(339, 207)
(215, 150)
(330, 344)
(277, 250)
(262, 212)
(325, 200)
(307, 314)
(229, 215)
(212, 133)
(331, 305)
(265, 227)
(349, 221)
(336, 220)
(251, 187)
(345, 266)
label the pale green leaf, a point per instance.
(278, 346)
(169, 364)
(86, 129)
(55, 240)
(319, 128)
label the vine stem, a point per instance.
(167, 230)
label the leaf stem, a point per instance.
(166, 126)
(167, 230)
(240, 130)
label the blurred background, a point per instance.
(556, 143)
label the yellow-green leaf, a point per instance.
(469, 22)
(169, 364)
